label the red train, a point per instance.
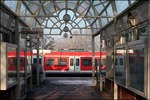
(72, 61)
(53, 62)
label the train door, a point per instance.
(77, 64)
(71, 64)
(74, 64)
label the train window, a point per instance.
(116, 61)
(121, 61)
(62, 62)
(71, 62)
(50, 62)
(87, 62)
(35, 61)
(15, 62)
(77, 62)
(96, 62)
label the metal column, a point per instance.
(38, 61)
(148, 92)
(31, 62)
(93, 61)
(100, 73)
(114, 48)
(18, 58)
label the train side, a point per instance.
(61, 62)
(72, 62)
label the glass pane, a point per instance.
(22, 9)
(132, 1)
(104, 20)
(136, 68)
(99, 8)
(121, 5)
(12, 65)
(50, 62)
(11, 4)
(142, 32)
(120, 66)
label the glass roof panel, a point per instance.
(44, 9)
(99, 8)
(132, 1)
(22, 9)
(104, 20)
(71, 4)
(96, 2)
(121, 5)
(60, 4)
(11, 4)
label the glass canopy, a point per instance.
(67, 16)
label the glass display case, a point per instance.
(120, 68)
(136, 67)
(8, 73)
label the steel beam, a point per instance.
(95, 16)
(37, 16)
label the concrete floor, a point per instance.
(67, 88)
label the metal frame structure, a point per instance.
(115, 34)
(148, 70)
(40, 13)
(87, 14)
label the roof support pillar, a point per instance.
(148, 92)
(93, 61)
(18, 88)
(38, 61)
(100, 63)
(114, 48)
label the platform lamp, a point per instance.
(131, 19)
(132, 22)
(28, 43)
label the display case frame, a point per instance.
(4, 66)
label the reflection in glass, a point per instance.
(12, 66)
(120, 66)
(136, 68)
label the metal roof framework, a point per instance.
(58, 17)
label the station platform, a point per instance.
(68, 88)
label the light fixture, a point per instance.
(65, 35)
(66, 29)
(66, 18)
(131, 19)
